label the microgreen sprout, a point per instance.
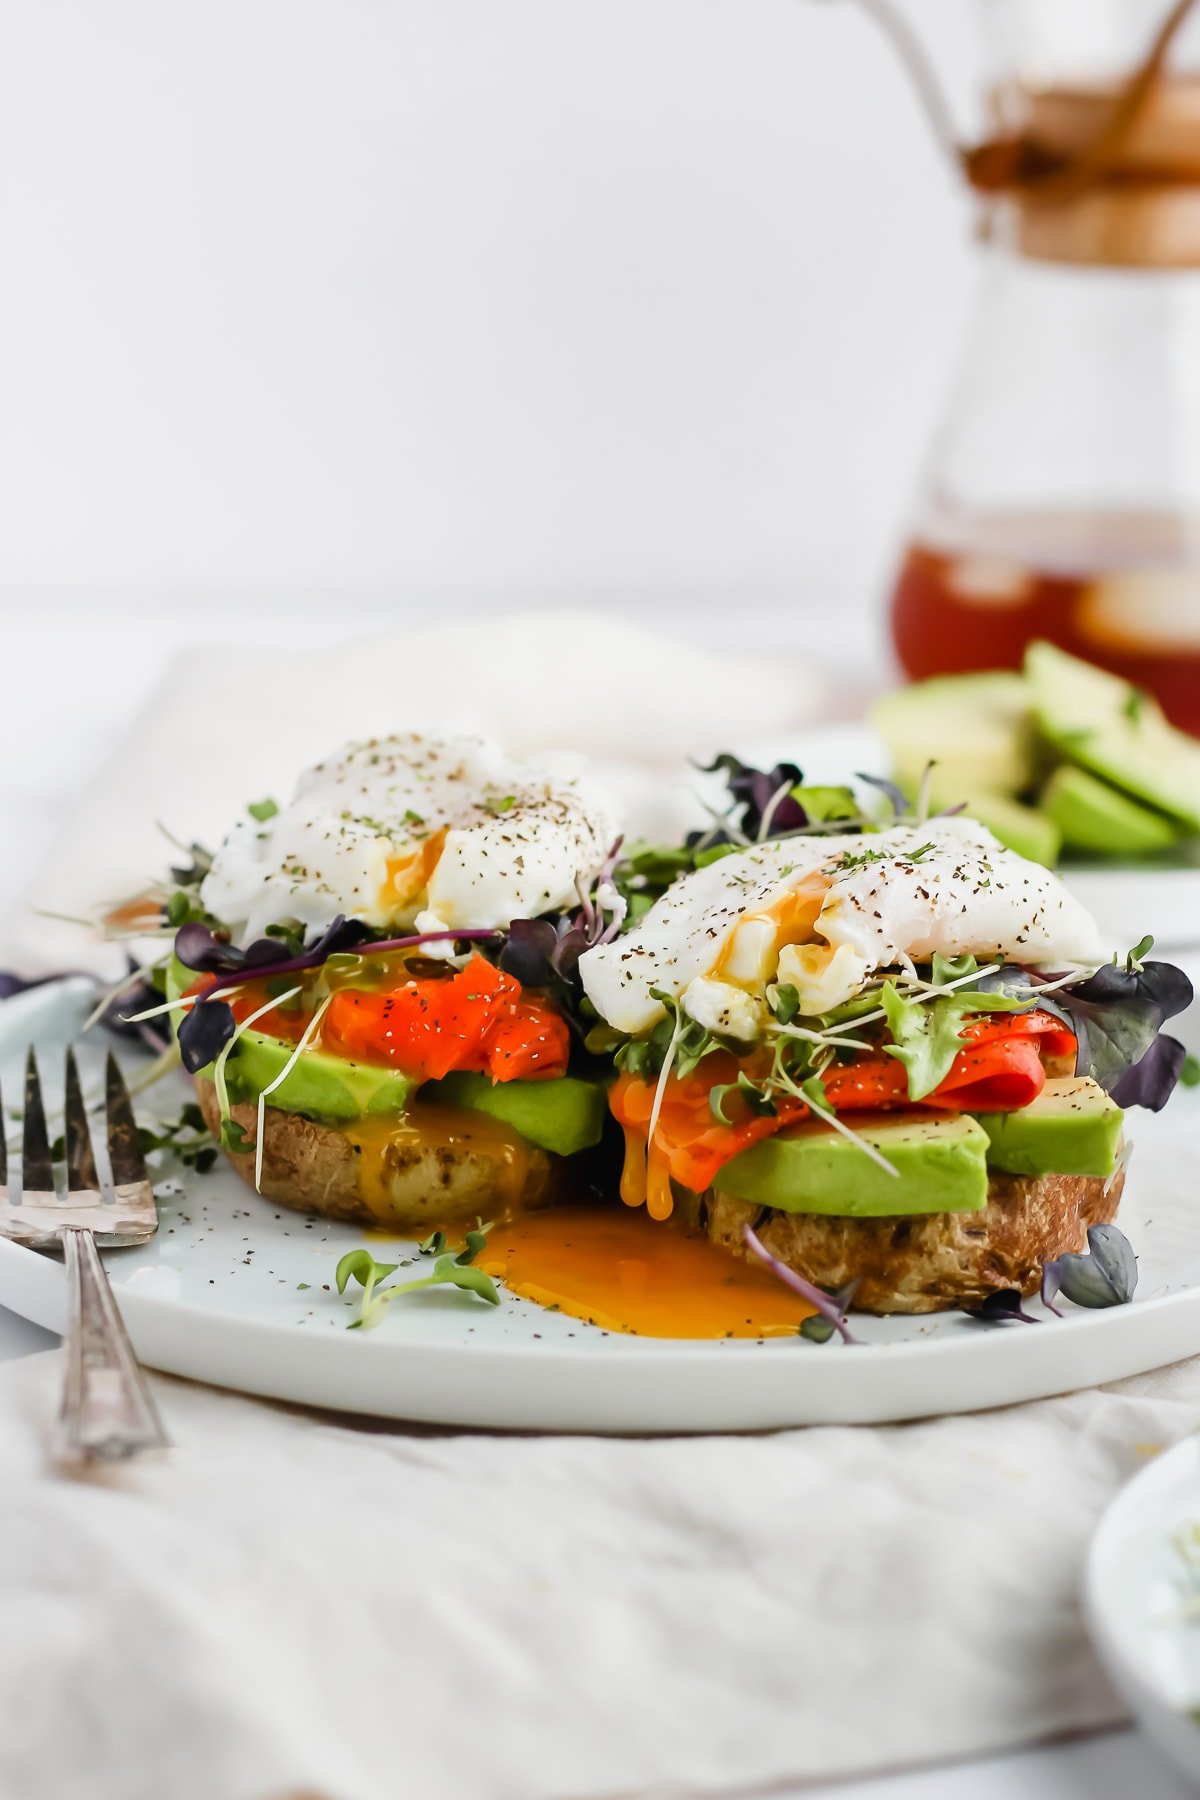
(829, 1307)
(233, 1135)
(448, 1271)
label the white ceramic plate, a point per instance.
(1143, 1601)
(239, 1292)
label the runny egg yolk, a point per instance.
(749, 960)
(622, 1272)
(409, 875)
(749, 956)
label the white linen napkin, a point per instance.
(291, 1605)
(288, 1604)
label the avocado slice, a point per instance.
(1072, 1128)
(1093, 815)
(941, 1164)
(562, 1115)
(978, 725)
(321, 1086)
(1102, 723)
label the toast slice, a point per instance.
(925, 1262)
(435, 1167)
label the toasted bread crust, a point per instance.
(926, 1262)
(406, 1184)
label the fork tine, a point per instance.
(37, 1170)
(124, 1145)
(81, 1164)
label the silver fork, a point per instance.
(107, 1412)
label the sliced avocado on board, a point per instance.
(1093, 815)
(941, 1166)
(978, 728)
(1072, 1128)
(1102, 723)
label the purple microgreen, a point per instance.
(538, 950)
(1105, 1274)
(11, 983)
(828, 1306)
(1003, 1307)
(528, 950)
(1151, 1080)
(587, 911)
(208, 953)
(204, 1031)
(136, 994)
(768, 805)
(1051, 1283)
(1117, 1015)
(819, 1329)
(343, 934)
(896, 795)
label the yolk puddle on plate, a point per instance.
(623, 1271)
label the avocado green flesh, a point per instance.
(974, 727)
(323, 1087)
(1060, 756)
(1072, 1128)
(940, 1163)
(1093, 815)
(1099, 721)
(562, 1115)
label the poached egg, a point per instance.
(417, 833)
(827, 913)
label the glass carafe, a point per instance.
(1062, 494)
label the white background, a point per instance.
(379, 300)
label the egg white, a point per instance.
(947, 886)
(416, 832)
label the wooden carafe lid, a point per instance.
(1072, 193)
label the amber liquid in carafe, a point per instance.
(1120, 590)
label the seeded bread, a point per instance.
(927, 1262)
(407, 1185)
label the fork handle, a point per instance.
(107, 1413)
